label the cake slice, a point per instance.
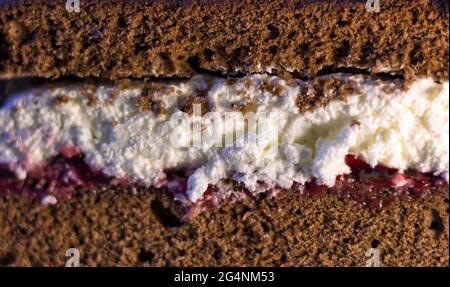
(261, 133)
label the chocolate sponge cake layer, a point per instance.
(115, 39)
(146, 228)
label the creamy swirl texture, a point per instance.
(127, 134)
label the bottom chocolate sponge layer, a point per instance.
(146, 228)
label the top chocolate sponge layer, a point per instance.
(115, 39)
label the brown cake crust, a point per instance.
(144, 227)
(116, 39)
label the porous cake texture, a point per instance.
(116, 39)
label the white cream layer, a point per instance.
(403, 129)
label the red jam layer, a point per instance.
(60, 178)
(371, 187)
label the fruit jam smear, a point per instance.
(372, 187)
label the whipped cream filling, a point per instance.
(125, 137)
